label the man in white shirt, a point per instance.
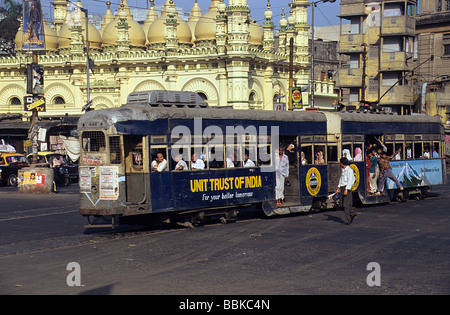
(181, 164)
(197, 163)
(282, 171)
(248, 162)
(345, 189)
(159, 164)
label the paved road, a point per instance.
(303, 254)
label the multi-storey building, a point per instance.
(433, 77)
(379, 44)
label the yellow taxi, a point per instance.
(10, 163)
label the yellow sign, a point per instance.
(313, 181)
(356, 171)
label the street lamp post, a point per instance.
(313, 85)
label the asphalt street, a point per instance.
(398, 248)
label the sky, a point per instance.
(324, 14)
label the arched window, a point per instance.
(15, 101)
(59, 100)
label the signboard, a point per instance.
(34, 104)
(33, 26)
(297, 100)
(35, 79)
(279, 106)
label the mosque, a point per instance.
(223, 55)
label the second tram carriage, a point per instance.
(119, 145)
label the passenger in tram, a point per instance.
(408, 153)
(181, 164)
(230, 160)
(303, 159)
(197, 163)
(386, 172)
(347, 155)
(426, 153)
(319, 158)
(358, 155)
(247, 161)
(159, 164)
(373, 177)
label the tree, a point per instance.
(10, 16)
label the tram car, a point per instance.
(166, 155)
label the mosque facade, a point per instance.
(223, 55)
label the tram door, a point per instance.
(291, 188)
(136, 168)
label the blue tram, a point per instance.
(166, 155)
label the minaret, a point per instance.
(282, 33)
(171, 27)
(238, 64)
(268, 26)
(238, 27)
(123, 37)
(59, 13)
(221, 28)
(107, 18)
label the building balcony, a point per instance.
(398, 25)
(351, 43)
(352, 8)
(398, 95)
(395, 61)
(349, 77)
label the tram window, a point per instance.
(157, 164)
(264, 155)
(401, 154)
(319, 154)
(180, 158)
(390, 148)
(332, 153)
(426, 150)
(93, 141)
(114, 150)
(347, 151)
(306, 154)
(214, 156)
(418, 150)
(358, 155)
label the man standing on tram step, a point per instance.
(386, 171)
(345, 189)
(282, 171)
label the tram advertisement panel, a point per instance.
(212, 189)
(415, 173)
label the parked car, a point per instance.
(69, 171)
(10, 163)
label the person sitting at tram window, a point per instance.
(159, 164)
(319, 158)
(408, 153)
(181, 164)
(435, 154)
(386, 172)
(358, 155)
(230, 160)
(347, 155)
(303, 158)
(248, 162)
(426, 153)
(197, 163)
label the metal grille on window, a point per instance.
(114, 149)
(93, 141)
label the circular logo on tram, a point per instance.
(313, 181)
(356, 171)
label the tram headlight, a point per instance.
(94, 189)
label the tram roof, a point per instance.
(386, 117)
(107, 117)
